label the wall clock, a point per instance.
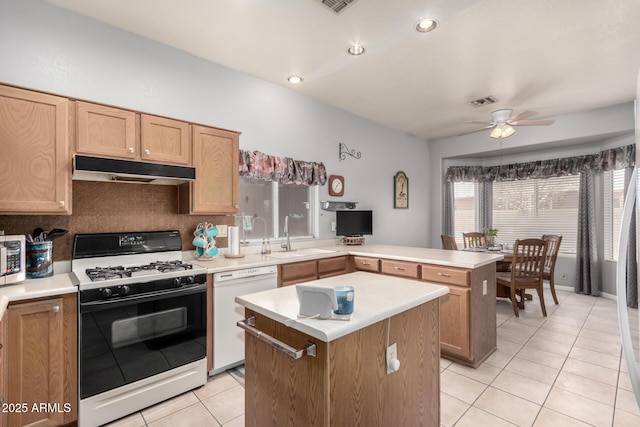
(401, 191)
(336, 185)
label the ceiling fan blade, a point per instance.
(522, 115)
(476, 130)
(533, 122)
(482, 122)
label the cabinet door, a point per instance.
(106, 131)
(297, 272)
(165, 140)
(36, 360)
(215, 156)
(328, 267)
(35, 164)
(455, 338)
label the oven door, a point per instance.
(126, 340)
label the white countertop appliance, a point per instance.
(142, 322)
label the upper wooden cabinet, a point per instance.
(114, 132)
(215, 157)
(35, 164)
(165, 140)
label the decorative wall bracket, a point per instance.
(344, 150)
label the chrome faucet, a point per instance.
(286, 245)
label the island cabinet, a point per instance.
(35, 164)
(347, 382)
(113, 132)
(305, 271)
(215, 157)
(41, 361)
(468, 315)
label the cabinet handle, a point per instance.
(399, 268)
(365, 263)
(444, 275)
(61, 203)
(0, 346)
(55, 308)
(147, 152)
(131, 149)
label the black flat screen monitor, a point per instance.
(354, 223)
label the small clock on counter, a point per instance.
(336, 185)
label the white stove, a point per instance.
(142, 320)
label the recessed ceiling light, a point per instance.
(295, 80)
(355, 49)
(426, 24)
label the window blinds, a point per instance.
(533, 207)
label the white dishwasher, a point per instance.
(228, 338)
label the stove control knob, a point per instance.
(106, 292)
(177, 282)
(191, 280)
(125, 290)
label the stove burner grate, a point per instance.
(118, 272)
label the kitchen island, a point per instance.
(346, 382)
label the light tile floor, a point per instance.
(562, 370)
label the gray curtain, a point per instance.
(485, 205)
(448, 220)
(587, 266)
(632, 265)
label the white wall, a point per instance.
(46, 48)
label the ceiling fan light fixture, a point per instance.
(295, 80)
(425, 25)
(502, 131)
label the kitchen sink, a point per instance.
(300, 253)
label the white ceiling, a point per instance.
(549, 56)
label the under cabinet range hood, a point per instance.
(86, 168)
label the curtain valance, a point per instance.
(285, 170)
(615, 158)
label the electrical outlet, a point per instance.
(333, 226)
(222, 230)
(564, 275)
(484, 287)
(392, 359)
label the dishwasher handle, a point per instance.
(248, 326)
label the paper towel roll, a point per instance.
(234, 240)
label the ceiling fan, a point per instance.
(503, 123)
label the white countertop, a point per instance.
(61, 283)
(404, 253)
(57, 284)
(377, 297)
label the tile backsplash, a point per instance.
(105, 207)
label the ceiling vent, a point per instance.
(483, 101)
(336, 6)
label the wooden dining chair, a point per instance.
(527, 268)
(553, 246)
(449, 242)
(474, 239)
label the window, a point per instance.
(533, 207)
(464, 203)
(264, 205)
(613, 204)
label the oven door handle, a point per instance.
(86, 307)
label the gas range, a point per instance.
(107, 260)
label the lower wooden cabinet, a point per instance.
(297, 272)
(408, 270)
(42, 362)
(3, 376)
(366, 264)
(328, 267)
(454, 322)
